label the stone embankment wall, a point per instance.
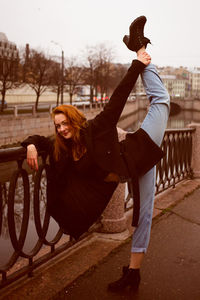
(15, 129)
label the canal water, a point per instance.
(6, 248)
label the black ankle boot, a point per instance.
(130, 278)
(125, 269)
(136, 39)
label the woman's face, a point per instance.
(62, 126)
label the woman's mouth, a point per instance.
(66, 133)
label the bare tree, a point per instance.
(90, 71)
(38, 73)
(98, 69)
(117, 71)
(8, 75)
(104, 59)
(73, 76)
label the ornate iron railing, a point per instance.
(23, 204)
(176, 164)
(23, 211)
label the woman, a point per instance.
(87, 161)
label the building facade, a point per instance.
(8, 57)
(194, 80)
(179, 82)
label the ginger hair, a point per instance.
(77, 121)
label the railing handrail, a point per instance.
(18, 153)
(174, 130)
(15, 153)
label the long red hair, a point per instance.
(77, 121)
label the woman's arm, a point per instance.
(33, 144)
(113, 109)
(41, 143)
(32, 157)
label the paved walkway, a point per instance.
(171, 269)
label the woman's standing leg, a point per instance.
(154, 124)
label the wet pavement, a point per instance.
(171, 268)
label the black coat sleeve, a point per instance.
(113, 109)
(41, 143)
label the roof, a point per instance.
(3, 37)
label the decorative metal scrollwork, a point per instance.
(40, 196)
(18, 242)
(176, 164)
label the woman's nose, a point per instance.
(62, 128)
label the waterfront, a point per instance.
(6, 248)
(175, 122)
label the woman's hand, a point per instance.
(32, 157)
(144, 57)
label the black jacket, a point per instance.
(130, 158)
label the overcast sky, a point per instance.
(172, 25)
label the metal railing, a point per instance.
(22, 200)
(175, 166)
(23, 204)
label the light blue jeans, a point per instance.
(154, 124)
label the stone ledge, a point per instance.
(62, 270)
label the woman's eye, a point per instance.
(62, 124)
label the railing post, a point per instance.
(50, 108)
(15, 111)
(33, 110)
(113, 218)
(195, 149)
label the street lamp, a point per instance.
(62, 69)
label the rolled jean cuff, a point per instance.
(138, 250)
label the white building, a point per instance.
(176, 86)
(8, 50)
(194, 78)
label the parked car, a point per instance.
(5, 104)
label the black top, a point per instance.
(86, 167)
(83, 193)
